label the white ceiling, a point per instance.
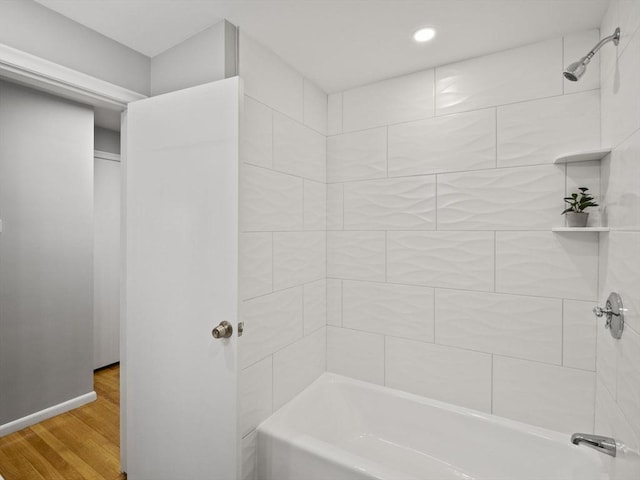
(342, 43)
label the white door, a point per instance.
(106, 259)
(181, 176)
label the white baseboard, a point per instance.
(38, 417)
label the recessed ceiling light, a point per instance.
(424, 35)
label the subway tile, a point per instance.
(391, 204)
(545, 395)
(399, 310)
(526, 198)
(356, 354)
(315, 107)
(356, 255)
(269, 200)
(256, 134)
(400, 99)
(547, 264)
(628, 394)
(611, 422)
(575, 46)
(256, 264)
(315, 205)
(334, 302)
(298, 150)
(425, 146)
(298, 257)
(500, 78)
(441, 259)
(516, 326)
(315, 306)
(579, 335)
(620, 197)
(296, 366)
(255, 394)
(621, 96)
(270, 323)
(538, 131)
(249, 457)
(269, 79)
(357, 156)
(335, 206)
(334, 114)
(620, 272)
(443, 373)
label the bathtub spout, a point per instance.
(602, 444)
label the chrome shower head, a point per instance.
(576, 70)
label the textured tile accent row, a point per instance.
(392, 204)
(452, 375)
(425, 146)
(398, 310)
(538, 131)
(271, 322)
(256, 264)
(269, 200)
(547, 264)
(298, 150)
(400, 99)
(357, 156)
(442, 259)
(298, 258)
(527, 198)
(356, 255)
(523, 327)
(297, 366)
(546, 395)
(501, 78)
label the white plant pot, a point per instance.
(575, 219)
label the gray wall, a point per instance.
(106, 140)
(34, 29)
(208, 56)
(46, 249)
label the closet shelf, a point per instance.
(586, 156)
(580, 229)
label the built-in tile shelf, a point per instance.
(580, 229)
(585, 156)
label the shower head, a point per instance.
(576, 70)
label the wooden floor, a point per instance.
(81, 444)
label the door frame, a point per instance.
(41, 74)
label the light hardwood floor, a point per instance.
(81, 444)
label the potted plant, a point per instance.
(578, 203)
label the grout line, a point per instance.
(562, 334)
(492, 386)
(341, 304)
(487, 107)
(435, 197)
(495, 262)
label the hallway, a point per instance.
(80, 444)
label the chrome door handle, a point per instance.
(224, 330)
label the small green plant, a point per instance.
(579, 202)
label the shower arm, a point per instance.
(615, 38)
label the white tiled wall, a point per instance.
(283, 201)
(443, 275)
(618, 361)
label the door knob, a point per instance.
(224, 330)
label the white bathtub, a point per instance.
(340, 428)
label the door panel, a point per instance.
(181, 281)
